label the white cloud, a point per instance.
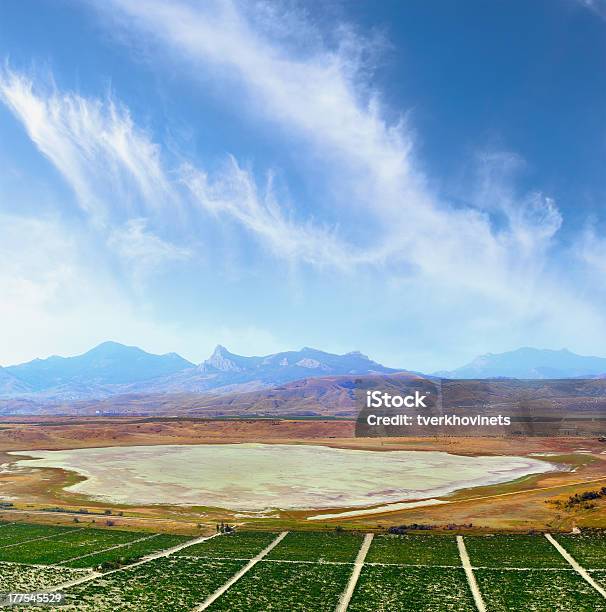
(234, 193)
(500, 248)
(597, 6)
(111, 165)
(115, 170)
(319, 94)
(36, 262)
(142, 249)
(321, 98)
(591, 249)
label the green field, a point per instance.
(173, 583)
(588, 549)
(67, 545)
(22, 532)
(287, 586)
(241, 545)
(387, 587)
(128, 553)
(306, 546)
(513, 551)
(118, 571)
(599, 576)
(538, 591)
(24, 578)
(414, 550)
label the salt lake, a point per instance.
(255, 477)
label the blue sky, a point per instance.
(422, 181)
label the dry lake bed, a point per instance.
(256, 477)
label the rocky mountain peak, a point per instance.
(222, 360)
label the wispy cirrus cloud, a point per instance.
(93, 143)
(590, 248)
(116, 171)
(233, 193)
(143, 249)
(494, 257)
(596, 6)
(115, 167)
(323, 99)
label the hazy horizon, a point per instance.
(402, 367)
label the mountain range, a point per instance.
(112, 369)
(530, 363)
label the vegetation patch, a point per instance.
(125, 555)
(237, 545)
(394, 589)
(538, 591)
(583, 501)
(513, 551)
(599, 576)
(167, 584)
(315, 546)
(21, 532)
(286, 586)
(23, 578)
(307, 571)
(588, 548)
(74, 543)
(414, 550)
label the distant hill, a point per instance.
(226, 372)
(574, 405)
(530, 363)
(105, 365)
(303, 362)
(326, 396)
(114, 369)
(11, 385)
(308, 380)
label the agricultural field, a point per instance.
(588, 549)
(64, 546)
(387, 587)
(167, 584)
(319, 547)
(128, 553)
(13, 533)
(305, 571)
(599, 576)
(286, 586)
(15, 577)
(414, 550)
(240, 545)
(538, 591)
(513, 551)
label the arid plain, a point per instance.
(539, 501)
